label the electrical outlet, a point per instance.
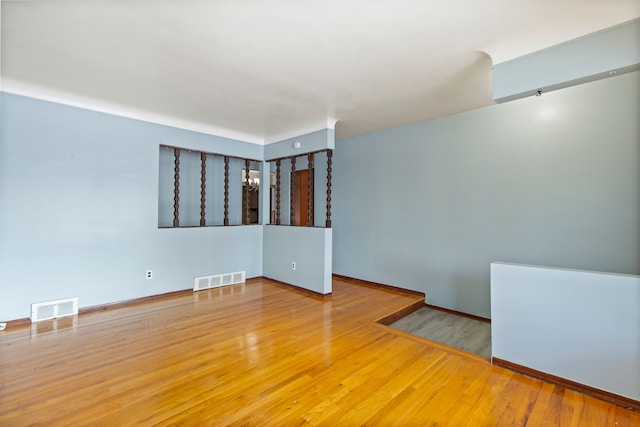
(293, 265)
(3, 325)
(149, 274)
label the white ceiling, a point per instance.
(261, 70)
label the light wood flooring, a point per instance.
(448, 328)
(262, 354)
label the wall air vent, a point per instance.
(54, 309)
(217, 280)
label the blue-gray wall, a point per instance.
(551, 180)
(79, 210)
(82, 196)
(566, 322)
(309, 248)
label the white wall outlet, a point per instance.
(149, 274)
(293, 265)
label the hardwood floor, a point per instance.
(262, 354)
(448, 328)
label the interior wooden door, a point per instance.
(302, 196)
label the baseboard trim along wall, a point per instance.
(460, 313)
(299, 289)
(119, 304)
(18, 322)
(134, 301)
(616, 399)
(411, 308)
(390, 318)
(378, 285)
(109, 306)
(126, 303)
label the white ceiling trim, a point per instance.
(15, 87)
(329, 123)
(261, 71)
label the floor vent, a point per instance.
(54, 309)
(215, 281)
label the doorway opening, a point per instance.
(303, 184)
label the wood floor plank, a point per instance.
(265, 355)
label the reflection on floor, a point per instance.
(451, 329)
